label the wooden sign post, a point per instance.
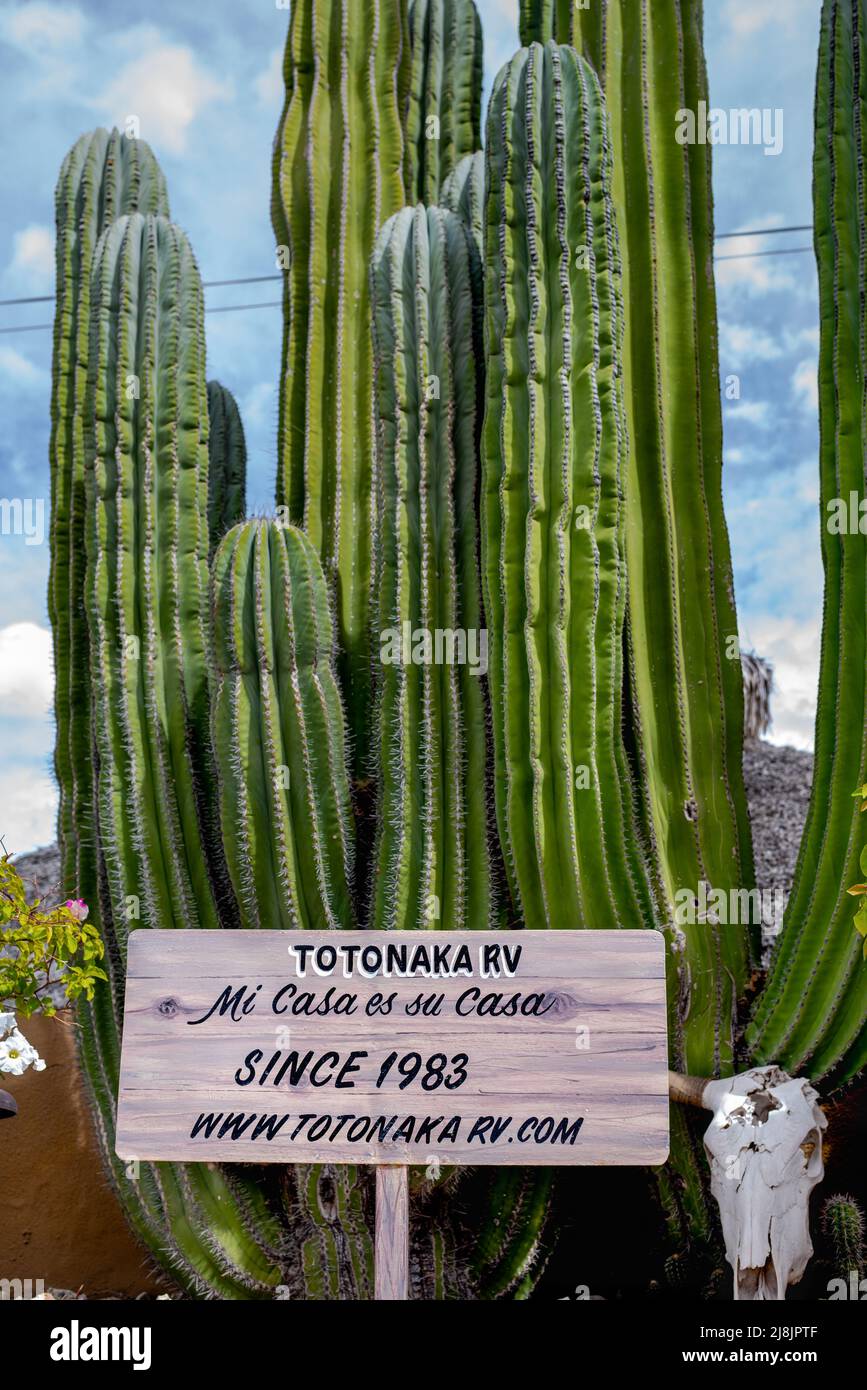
(544, 1047)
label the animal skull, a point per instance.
(764, 1145)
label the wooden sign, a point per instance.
(524, 1047)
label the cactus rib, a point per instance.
(432, 856)
(337, 176)
(278, 732)
(444, 112)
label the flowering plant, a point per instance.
(40, 948)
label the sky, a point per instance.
(204, 82)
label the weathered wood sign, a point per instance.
(543, 1047)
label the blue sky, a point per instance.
(204, 82)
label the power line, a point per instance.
(262, 279)
(752, 255)
(206, 284)
(763, 231)
(216, 309)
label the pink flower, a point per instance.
(78, 907)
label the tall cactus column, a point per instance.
(103, 176)
(432, 863)
(554, 456)
(685, 678)
(147, 577)
(444, 112)
(811, 1015)
(338, 176)
(278, 732)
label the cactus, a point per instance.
(102, 176)
(812, 1012)
(227, 463)
(278, 732)
(444, 112)
(464, 193)
(554, 450)
(146, 469)
(542, 20)
(146, 531)
(686, 693)
(337, 176)
(432, 854)
(843, 1223)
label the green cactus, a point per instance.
(227, 463)
(542, 20)
(812, 1012)
(432, 855)
(444, 112)
(464, 193)
(685, 674)
(103, 175)
(147, 542)
(337, 176)
(146, 531)
(554, 451)
(843, 1223)
(278, 732)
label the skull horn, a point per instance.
(688, 1090)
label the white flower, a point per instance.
(17, 1054)
(7, 1021)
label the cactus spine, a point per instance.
(554, 451)
(812, 1012)
(227, 463)
(464, 193)
(102, 176)
(444, 114)
(432, 858)
(338, 175)
(278, 732)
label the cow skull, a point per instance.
(764, 1146)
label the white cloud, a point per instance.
(165, 89)
(268, 86)
(19, 370)
(747, 17)
(42, 28)
(32, 263)
(751, 412)
(26, 676)
(805, 385)
(28, 818)
(743, 342)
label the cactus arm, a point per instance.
(812, 1013)
(227, 463)
(445, 87)
(278, 732)
(464, 193)
(553, 454)
(432, 844)
(338, 167)
(103, 176)
(147, 571)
